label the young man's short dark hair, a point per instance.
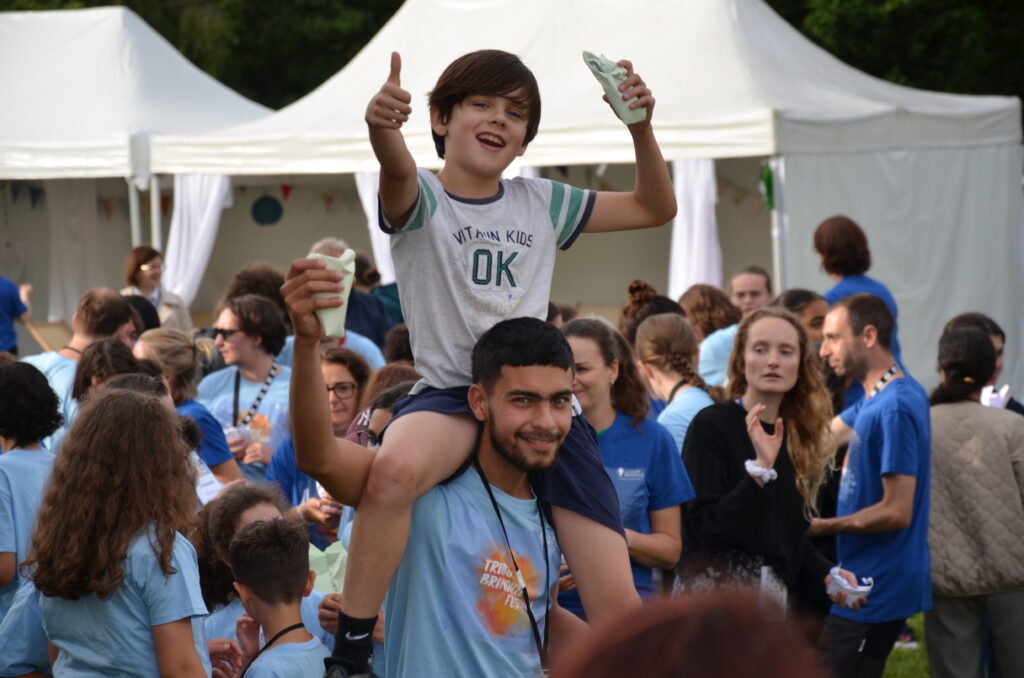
(866, 309)
(29, 409)
(842, 246)
(271, 557)
(519, 342)
(487, 72)
(102, 312)
(259, 317)
(977, 320)
(258, 277)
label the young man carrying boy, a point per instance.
(471, 250)
(270, 562)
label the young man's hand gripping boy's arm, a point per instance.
(387, 111)
(652, 201)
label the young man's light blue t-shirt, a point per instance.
(647, 472)
(891, 434)
(221, 622)
(290, 660)
(23, 476)
(454, 607)
(23, 646)
(678, 414)
(270, 423)
(714, 355)
(353, 341)
(60, 373)
(114, 636)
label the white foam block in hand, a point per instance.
(333, 319)
(993, 398)
(611, 75)
(853, 593)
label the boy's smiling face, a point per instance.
(483, 134)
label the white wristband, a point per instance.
(761, 473)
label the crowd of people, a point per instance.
(736, 483)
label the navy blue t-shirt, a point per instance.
(213, 446)
(891, 434)
(11, 309)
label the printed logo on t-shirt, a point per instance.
(630, 474)
(500, 605)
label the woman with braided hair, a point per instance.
(668, 352)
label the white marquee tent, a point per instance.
(80, 93)
(933, 178)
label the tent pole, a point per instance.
(779, 237)
(133, 212)
(778, 283)
(156, 236)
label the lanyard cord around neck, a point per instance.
(270, 642)
(542, 645)
(675, 389)
(259, 396)
(880, 384)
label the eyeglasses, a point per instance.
(224, 334)
(367, 438)
(343, 390)
(159, 266)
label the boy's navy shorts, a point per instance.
(577, 483)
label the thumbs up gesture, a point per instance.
(389, 108)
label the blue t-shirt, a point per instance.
(296, 486)
(891, 434)
(23, 476)
(714, 355)
(221, 622)
(290, 659)
(678, 414)
(270, 425)
(23, 647)
(353, 341)
(114, 636)
(60, 372)
(454, 607)
(11, 308)
(213, 446)
(647, 471)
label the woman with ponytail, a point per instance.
(638, 453)
(977, 508)
(668, 351)
(757, 463)
(179, 359)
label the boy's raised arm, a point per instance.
(652, 201)
(386, 113)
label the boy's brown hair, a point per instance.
(487, 72)
(271, 557)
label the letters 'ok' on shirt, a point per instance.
(464, 265)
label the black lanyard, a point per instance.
(675, 389)
(542, 646)
(259, 396)
(271, 642)
(884, 380)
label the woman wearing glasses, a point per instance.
(345, 375)
(143, 270)
(249, 397)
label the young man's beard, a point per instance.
(519, 460)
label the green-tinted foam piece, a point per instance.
(611, 75)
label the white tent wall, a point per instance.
(944, 227)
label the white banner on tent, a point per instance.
(199, 200)
(695, 255)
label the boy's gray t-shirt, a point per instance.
(464, 265)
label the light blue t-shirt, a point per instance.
(23, 476)
(714, 355)
(290, 660)
(270, 424)
(23, 647)
(221, 622)
(353, 341)
(678, 414)
(114, 636)
(891, 434)
(647, 472)
(454, 607)
(60, 372)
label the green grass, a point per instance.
(909, 663)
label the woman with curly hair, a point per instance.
(119, 581)
(757, 462)
(639, 455)
(715, 320)
(29, 413)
